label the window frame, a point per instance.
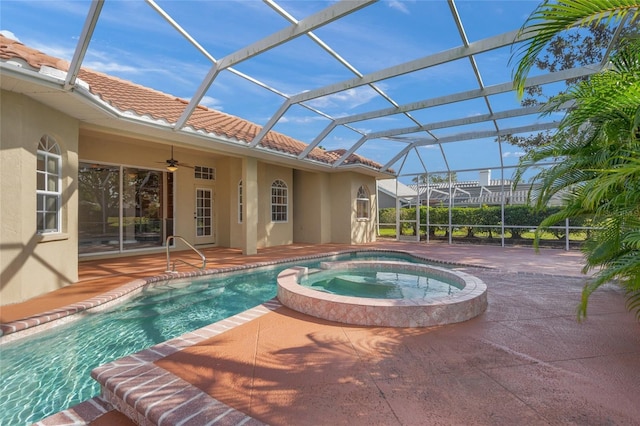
(204, 172)
(48, 150)
(240, 201)
(363, 204)
(279, 201)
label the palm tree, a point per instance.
(598, 142)
(552, 17)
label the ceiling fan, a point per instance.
(172, 163)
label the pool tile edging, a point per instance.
(150, 395)
(34, 324)
(24, 327)
(470, 302)
(81, 414)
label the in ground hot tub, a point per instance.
(368, 293)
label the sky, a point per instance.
(132, 41)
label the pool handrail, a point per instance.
(171, 269)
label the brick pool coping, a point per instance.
(10, 331)
(149, 395)
(468, 303)
(13, 330)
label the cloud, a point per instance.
(516, 154)
(211, 102)
(55, 50)
(398, 5)
(111, 67)
(9, 34)
(300, 119)
(347, 99)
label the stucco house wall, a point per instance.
(226, 201)
(345, 227)
(363, 230)
(100, 123)
(32, 264)
(129, 151)
(235, 228)
(312, 207)
(273, 233)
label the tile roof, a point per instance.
(126, 96)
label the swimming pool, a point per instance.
(50, 371)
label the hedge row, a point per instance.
(524, 216)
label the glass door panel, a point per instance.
(141, 208)
(204, 216)
(123, 210)
(99, 208)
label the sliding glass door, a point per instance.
(123, 208)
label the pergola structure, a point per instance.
(461, 94)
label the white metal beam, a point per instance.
(317, 20)
(272, 122)
(470, 136)
(512, 113)
(317, 140)
(450, 55)
(310, 23)
(350, 151)
(83, 43)
(339, 59)
(470, 94)
(488, 133)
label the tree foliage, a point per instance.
(435, 178)
(599, 142)
(570, 44)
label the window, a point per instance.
(240, 203)
(362, 203)
(48, 190)
(206, 173)
(279, 201)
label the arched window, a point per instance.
(48, 189)
(279, 201)
(362, 203)
(240, 202)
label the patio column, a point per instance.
(250, 204)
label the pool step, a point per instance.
(149, 395)
(82, 414)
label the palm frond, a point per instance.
(633, 302)
(626, 266)
(598, 141)
(552, 17)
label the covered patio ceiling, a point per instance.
(417, 86)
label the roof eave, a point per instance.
(115, 120)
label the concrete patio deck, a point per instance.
(526, 360)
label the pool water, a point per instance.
(380, 285)
(48, 372)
